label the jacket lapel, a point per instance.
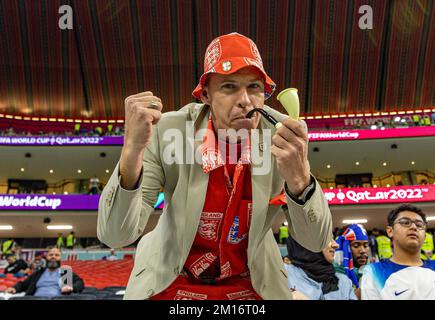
(197, 187)
(261, 190)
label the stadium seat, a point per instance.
(101, 273)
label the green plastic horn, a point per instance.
(290, 101)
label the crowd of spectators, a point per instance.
(396, 263)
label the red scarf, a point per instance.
(216, 267)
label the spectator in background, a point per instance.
(336, 232)
(118, 131)
(94, 185)
(286, 260)
(111, 257)
(9, 246)
(383, 246)
(283, 233)
(423, 182)
(429, 255)
(38, 262)
(3, 261)
(70, 240)
(109, 131)
(373, 244)
(77, 129)
(46, 282)
(18, 267)
(313, 274)
(405, 276)
(353, 254)
(99, 131)
(60, 242)
(427, 247)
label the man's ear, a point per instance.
(389, 232)
(205, 97)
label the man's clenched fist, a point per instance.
(142, 111)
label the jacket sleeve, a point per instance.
(123, 214)
(310, 224)
(25, 284)
(78, 284)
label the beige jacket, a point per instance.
(161, 254)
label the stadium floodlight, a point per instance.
(351, 221)
(6, 227)
(59, 227)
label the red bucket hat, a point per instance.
(228, 54)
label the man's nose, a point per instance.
(413, 226)
(243, 100)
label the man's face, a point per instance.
(11, 260)
(408, 238)
(286, 260)
(329, 251)
(53, 258)
(360, 252)
(232, 96)
(428, 254)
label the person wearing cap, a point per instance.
(214, 238)
(405, 276)
(353, 254)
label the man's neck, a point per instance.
(406, 258)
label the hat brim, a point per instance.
(237, 64)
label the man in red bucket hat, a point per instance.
(228, 54)
(214, 238)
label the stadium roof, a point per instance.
(118, 48)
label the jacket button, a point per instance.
(150, 292)
(312, 216)
(261, 146)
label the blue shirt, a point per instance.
(387, 280)
(48, 284)
(299, 280)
